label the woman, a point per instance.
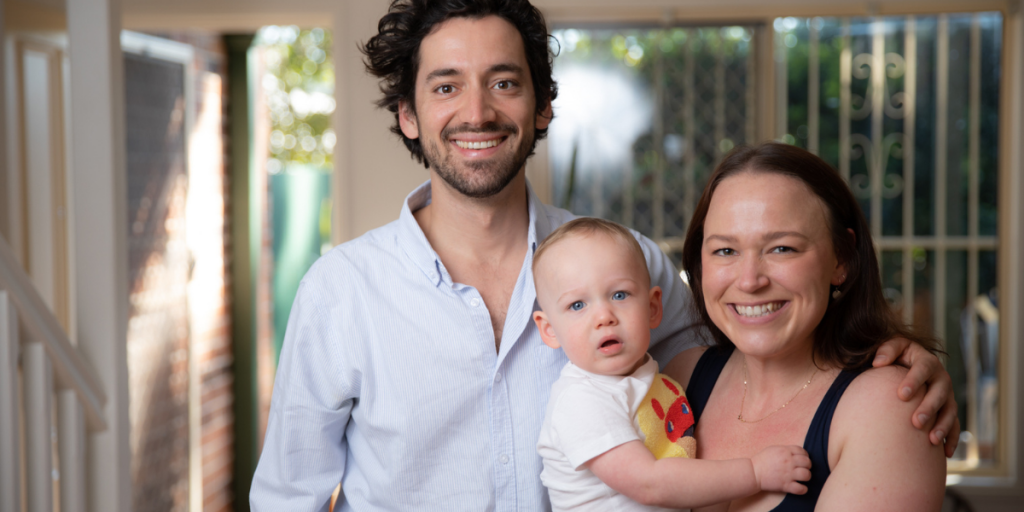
(784, 274)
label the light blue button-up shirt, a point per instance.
(389, 381)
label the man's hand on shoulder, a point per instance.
(925, 369)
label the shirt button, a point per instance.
(433, 275)
(474, 302)
(497, 377)
(503, 459)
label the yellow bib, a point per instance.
(666, 420)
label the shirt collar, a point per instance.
(540, 225)
(412, 240)
(645, 372)
(415, 244)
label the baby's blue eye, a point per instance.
(620, 296)
(576, 306)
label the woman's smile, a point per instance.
(763, 310)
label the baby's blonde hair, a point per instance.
(590, 226)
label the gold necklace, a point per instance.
(743, 401)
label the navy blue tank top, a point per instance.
(702, 383)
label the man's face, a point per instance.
(475, 111)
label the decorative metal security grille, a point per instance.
(643, 118)
(907, 109)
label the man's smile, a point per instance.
(478, 144)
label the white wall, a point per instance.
(3, 129)
(383, 172)
(99, 192)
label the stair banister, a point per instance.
(69, 366)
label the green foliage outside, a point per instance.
(298, 84)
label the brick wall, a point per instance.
(158, 334)
(180, 284)
(210, 295)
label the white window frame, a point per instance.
(37, 198)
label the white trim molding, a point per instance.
(97, 155)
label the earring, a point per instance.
(836, 293)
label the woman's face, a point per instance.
(767, 262)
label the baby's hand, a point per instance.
(778, 469)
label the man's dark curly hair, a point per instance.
(393, 54)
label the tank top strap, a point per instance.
(816, 444)
(705, 375)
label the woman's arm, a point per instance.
(880, 461)
(632, 470)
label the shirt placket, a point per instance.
(502, 445)
(502, 454)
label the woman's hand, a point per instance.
(925, 369)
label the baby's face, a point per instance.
(598, 304)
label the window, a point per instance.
(906, 107)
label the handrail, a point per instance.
(69, 365)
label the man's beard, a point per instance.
(480, 179)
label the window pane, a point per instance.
(924, 286)
(957, 139)
(991, 53)
(892, 278)
(986, 306)
(952, 325)
(925, 127)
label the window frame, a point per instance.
(38, 219)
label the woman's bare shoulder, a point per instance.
(871, 406)
(870, 413)
(879, 460)
(874, 391)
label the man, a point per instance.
(411, 370)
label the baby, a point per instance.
(598, 305)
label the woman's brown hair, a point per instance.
(857, 322)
